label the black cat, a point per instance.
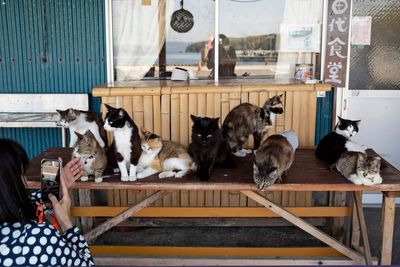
(208, 148)
(334, 144)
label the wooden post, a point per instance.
(387, 224)
(363, 227)
(162, 60)
(85, 200)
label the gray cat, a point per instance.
(246, 119)
(273, 158)
(92, 155)
(359, 168)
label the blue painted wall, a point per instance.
(324, 116)
(50, 46)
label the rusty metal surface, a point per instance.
(377, 66)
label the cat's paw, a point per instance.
(132, 178)
(124, 178)
(84, 178)
(165, 175)
(180, 174)
(368, 181)
(98, 179)
(377, 180)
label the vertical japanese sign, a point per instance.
(337, 40)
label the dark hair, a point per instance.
(15, 203)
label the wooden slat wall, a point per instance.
(166, 111)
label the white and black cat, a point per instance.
(334, 144)
(126, 141)
(79, 121)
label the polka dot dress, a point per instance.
(41, 244)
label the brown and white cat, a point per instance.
(273, 158)
(92, 155)
(126, 141)
(246, 119)
(359, 168)
(169, 158)
(79, 121)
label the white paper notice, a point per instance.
(361, 30)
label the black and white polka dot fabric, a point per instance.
(42, 245)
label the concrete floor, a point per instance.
(241, 236)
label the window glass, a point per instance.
(270, 37)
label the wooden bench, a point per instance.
(38, 110)
(306, 174)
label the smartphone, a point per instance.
(50, 173)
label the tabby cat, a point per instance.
(208, 147)
(273, 158)
(169, 158)
(246, 119)
(334, 144)
(92, 156)
(359, 168)
(126, 141)
(79, 121)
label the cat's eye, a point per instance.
(208, 136)
(198, 135)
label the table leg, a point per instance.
(387, 224)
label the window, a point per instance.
(257, 38)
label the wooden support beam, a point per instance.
(363, 226)
(387, 224)
(123, 215)
(217, 251)
(355, 228)
(179, 261)
(210, 212)
(305, 226)
(85, 200)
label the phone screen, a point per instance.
(51, 171)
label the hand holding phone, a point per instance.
(50, 174)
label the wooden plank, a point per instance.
(305, 226)
(202, 105)
(184, 120)
(338, 230)
(175, 118)
(288, 198)
(166, 117)
(157, 115)
(123, 216)
(304, 120)
(85, 199)
(216, 251)
(192, 111)
(363, 227)
(184, 199)
(138, 111)
(180, 261)
(355, 228)
(148, 113)
(167, 212)
(387, 224)
(312, 117)
(217, 114)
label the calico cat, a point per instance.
(208, 147)
(92, 156)
(246, 119)
(334, 144)
(273, 158)
(167, 157)
(126, 141)
(79, 121)
(359, 168)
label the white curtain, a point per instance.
(298, 12)
(136, 40)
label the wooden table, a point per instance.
(306, 174)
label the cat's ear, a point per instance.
(121, 113)
(340, 119)
(144, 131)
(280, 96)
(60, 111)
(194, 118)
(80, 136)
(357, 122)
(216, 120)
(109, 108)
(89, 133)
